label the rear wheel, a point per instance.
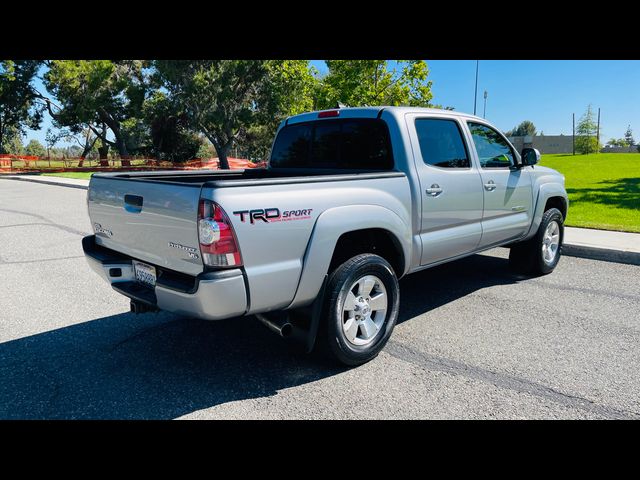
(361, 309)
(540, 254)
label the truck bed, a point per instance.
(153, 216)
(261, 176)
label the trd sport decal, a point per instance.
(269, 215)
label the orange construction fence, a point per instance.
(18, 163)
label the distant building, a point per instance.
(544, 143)
(559, 144)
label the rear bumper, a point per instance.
(210, 295)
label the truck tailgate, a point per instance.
(149, 221)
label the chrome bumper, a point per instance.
(211, 295)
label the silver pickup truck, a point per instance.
(314, 245)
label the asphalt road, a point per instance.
(474, 341)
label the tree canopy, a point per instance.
(96, 94)
(628, 137)
(586, 128)
(524, 129)
(179, 109)
(35, 148)
(357, 83)
(226, 99)
(18, 99)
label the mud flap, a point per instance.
(306, 322)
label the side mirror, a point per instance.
(530, 156)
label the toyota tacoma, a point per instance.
(313, 245)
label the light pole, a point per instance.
(484, 112)
(475, 94)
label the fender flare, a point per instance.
(329, 226)
(545, 192)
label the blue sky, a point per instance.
(546, 92)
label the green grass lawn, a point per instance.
(603, 188)
(83, 175)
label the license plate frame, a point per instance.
(145, 274)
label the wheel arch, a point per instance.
(337, 233)
(550, 195)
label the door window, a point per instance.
(493, 150)
(441, 143)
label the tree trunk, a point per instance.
(222, 157)
(221, 150)
(120, 145)
(86, 151)
(104, 152)
(114, 125)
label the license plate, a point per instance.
(145, 274)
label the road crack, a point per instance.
(502, 380)
(45, 221)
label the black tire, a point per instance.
(332, 338)
(527, 258)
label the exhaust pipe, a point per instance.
(140, 307)
(278, 323)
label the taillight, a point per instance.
(218, 243)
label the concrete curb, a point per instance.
(600, 253)
(46, 182)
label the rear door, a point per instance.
(151, 221)
(507, 191)
(450, 186)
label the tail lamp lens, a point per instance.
(218, 243)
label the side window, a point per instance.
(441, 143)
(493, 150)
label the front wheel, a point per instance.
(361, 309)
(540, 254)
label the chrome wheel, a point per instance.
(364, 310)
(551, 242)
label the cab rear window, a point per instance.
(334, 144)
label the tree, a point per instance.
(617, 142)
(85, 140)
(12, 141)
(171, 138)
(96, 94)
(18, 106)
(35, 149)
(372, 82)
(526, 128)
(50, 139)
(291, 88)
(224, 99)
(586, 141)
(628, 137)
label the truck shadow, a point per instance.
(163, 366)
(429, 289)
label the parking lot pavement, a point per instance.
(474, 341)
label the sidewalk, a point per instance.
(604, 245)
(60, 181)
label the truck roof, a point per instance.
(373, 112)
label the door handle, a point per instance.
(490, 186)
(434, 190)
